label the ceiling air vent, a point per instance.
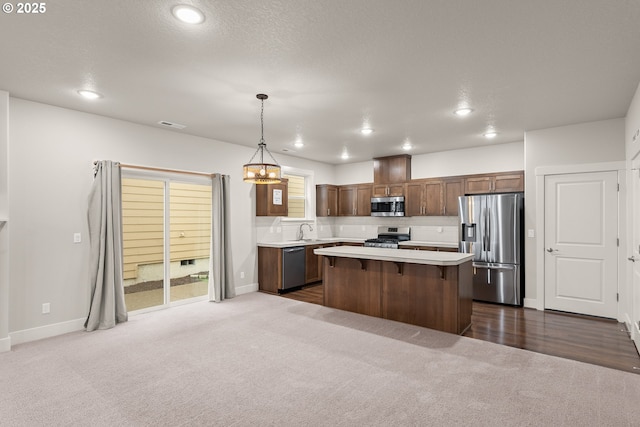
(171, 125)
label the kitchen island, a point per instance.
(424, 288)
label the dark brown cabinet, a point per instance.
(507, 182)
(313, 265)
(423, 197)
(392, 169)
(429, 248)
(354, 200)
(386, 190)
(272, 199)
(326, 200)
(269, 269)
(452, 189)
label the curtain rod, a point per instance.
(150, 168)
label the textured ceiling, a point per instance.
(328, 66)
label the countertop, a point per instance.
(292, 243)
(397, 255)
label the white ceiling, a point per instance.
(330, 65)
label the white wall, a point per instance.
(632, 127)
(593, 142)
(487, 159)
(5, 342)
(51, 154)
(632, 145)
(468, 161)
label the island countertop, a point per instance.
(397, 255)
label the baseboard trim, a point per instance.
(530, 303)
(5, 344)
(47, 331)
(252, 287)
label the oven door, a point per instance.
(387, 206)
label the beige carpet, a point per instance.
(264, 360)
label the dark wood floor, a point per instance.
(587, 339)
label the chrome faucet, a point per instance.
(301, 232)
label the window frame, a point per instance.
(309, 201)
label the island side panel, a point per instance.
(347, 286)
(465, 295)
(420, 296)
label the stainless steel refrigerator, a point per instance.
(492, 229)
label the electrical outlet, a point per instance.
(46, 308)
(77, 237)
(242, 274)
(531, 233)
(439, 229)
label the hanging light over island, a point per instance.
(261, 172)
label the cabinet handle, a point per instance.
(328, 211)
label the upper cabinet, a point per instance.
(506, 182)
(384, 190)
(392, 169)
(354, 200)
(390, 174)
(423, 197)
(452, 188)
(272, 199)
(435, 197)
(326, 200)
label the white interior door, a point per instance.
(635, 255)
(581, 249)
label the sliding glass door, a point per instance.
(166, 240)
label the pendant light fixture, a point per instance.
(260, 172)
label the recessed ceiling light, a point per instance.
(188, 14)
(465, 111)
(89, 94)
(298, 142)
(366, 131)
(406, 146)
(490, 134)
(345, 155)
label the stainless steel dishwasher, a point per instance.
(293, 260)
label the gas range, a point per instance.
(389, 237)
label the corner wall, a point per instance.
(5, 340)
(593, 142)
(51, 158)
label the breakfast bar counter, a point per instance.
(424, 288)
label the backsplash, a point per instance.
(427, 228)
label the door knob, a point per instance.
(632, 259)
(551, 250)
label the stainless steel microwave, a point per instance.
(387, 206)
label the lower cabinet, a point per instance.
(269, 269)
(429, 248)
(313, 264)
(270, 272)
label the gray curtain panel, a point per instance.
(105, 239)
(220, 267)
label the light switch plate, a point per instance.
(531, 233)
(77, 237)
